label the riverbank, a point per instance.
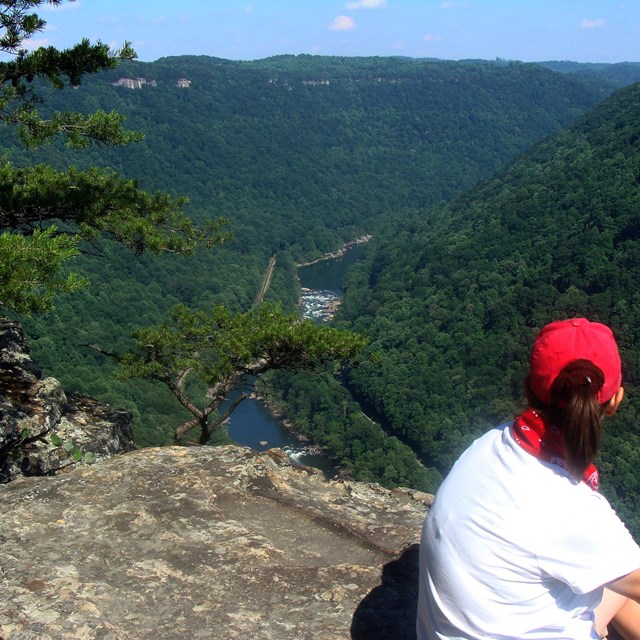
(276, 413)
(339, 252)
(259, 422)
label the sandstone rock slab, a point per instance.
(206, 542)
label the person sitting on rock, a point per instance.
(519, 543)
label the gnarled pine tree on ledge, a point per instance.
(221, 352)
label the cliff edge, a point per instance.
(176, 542)
(206, 542)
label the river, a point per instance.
(321, 284)
(251, 424)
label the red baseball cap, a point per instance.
(564, 341)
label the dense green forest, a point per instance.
(299, 153)
(452, 301)
(284, 146)
(619, 75)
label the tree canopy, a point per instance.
(45, 214)
(19, 100)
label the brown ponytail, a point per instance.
(575, 394)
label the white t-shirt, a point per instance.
(515, 548)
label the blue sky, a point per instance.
(527, 30)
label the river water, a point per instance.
(251, 424)
(321, 284)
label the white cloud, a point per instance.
(342, 23)
(430, 37)
(248, 9)
(593, 24)
(61, 7)
(366, 4)
(35, 43)
(446, 5)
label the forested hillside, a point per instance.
(618, 75)
(453, 302)
(300, 153)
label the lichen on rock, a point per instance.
(207, 542)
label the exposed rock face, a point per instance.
(207, 542)
(134, 83)
(31, 407)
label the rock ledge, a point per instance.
(207, 542)
(32, 408)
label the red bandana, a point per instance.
(544, 441)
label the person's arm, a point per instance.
(628, 585)
(627, 619)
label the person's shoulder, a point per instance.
(493, 436)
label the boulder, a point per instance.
(33, 408)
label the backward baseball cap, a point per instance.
(564, 341)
